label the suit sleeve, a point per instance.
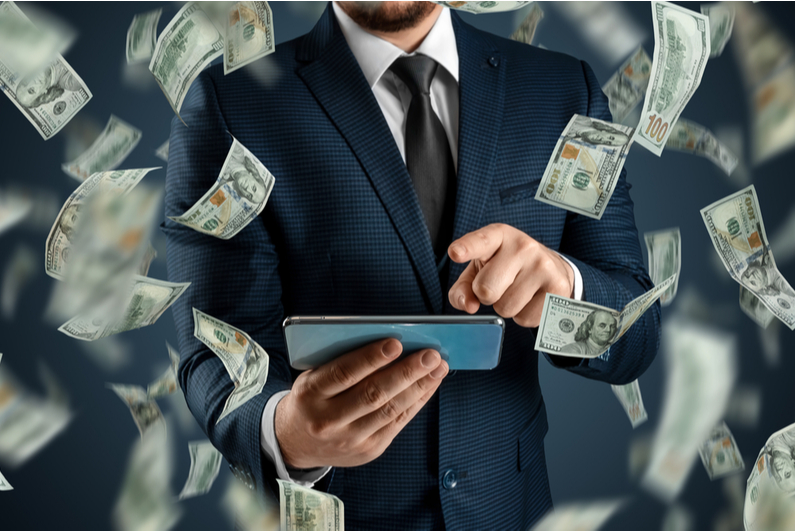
(234, 280)
(607, 253)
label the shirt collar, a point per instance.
(375, 55)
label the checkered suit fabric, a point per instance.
(343, 234)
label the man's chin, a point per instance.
(388, 17)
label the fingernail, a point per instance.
(429, 359)
(462, 302)
(457, 250)
(439, 371)
(391, 349)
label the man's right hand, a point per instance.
(347, 411)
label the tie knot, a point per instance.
(416, 72)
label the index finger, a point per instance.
(478, 244)
(335, 376)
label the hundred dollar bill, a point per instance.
(720, 454)
(13, 209)
(773, 115)
(25, 47)
(769, 503)
(173, 355)
(28, 422)
(625, 89)
(701, 367)
(585, 330)
(148, 299)
(164, 385)
(18, 273)
(483, 7)
(579, 516)
(681, 52)
(162, 151)
(665, 259)
(527, 29)
(205, 463)
(63, 232)
(106, 153)
(721, 22)
(745, 405)
(738, 234)
(144, 410)
(237, 197)
(632, 402)
(677, 518)
(231, 344)
(584, 168)
(753, 307)
(146, 501)
(142, 36)
(4, 484)
(250, 384)
(760, 46)
(246, 511)
(300, 505)
(691, 137)
(249, 34)
(186, 46)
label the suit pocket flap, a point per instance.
(532, 436)
(518, 193)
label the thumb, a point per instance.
(461, 295)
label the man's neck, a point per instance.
(410, 39)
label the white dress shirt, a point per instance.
(375, 56)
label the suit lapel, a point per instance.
(334, 77)
(482, 93)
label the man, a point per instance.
(367, 123)
(593, 335)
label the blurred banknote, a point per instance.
(251, 383)
(13, 209)
(584, 168)
(143, 409)
(720, 454)
(681, 52)
(106, 153)
(4, 484)
(300, 505)
(760, 47)
(142, 36)
(205, 462)
(782, 240)
(691, 137)
(247, 510)
(148, 299)
(738, 234)
(665, 259)
(773, 115)
(249, 34)
(28, 422)
(579, 516)
(585, 330)
(769, 503)
(237, 197)
(59, 241)
(632, 402)
(483, 7)
(162, 152)
(721, 22)
(164, 385)
(753, 307)
(26, 46)
(186, 46)
(527, 29)
(677, 518)
(745, 406)
(173, 356)
(701, 369)
(145, 502)
(625, 89)
(19, 271)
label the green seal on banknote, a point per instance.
(210, 225)
(580, 180)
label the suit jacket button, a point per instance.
(449, 480)
(451, 373)
(494, 61)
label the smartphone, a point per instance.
(466, 342)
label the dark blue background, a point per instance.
(75, 480)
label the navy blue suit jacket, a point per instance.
(343, 233)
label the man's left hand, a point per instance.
(508, 270)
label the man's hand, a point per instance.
(347, 411)
(509, 270)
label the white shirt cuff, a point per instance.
(270, 445)
(577, 279)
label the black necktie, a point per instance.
(428, 156)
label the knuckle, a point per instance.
(319, 427)
(484, 292)
(522, 320)
(373, 395)
(505, 307)
(526, 245)
(390, 410)
(341, 375)
(407, 373)
(308, 386)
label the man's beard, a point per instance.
(387, 17)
